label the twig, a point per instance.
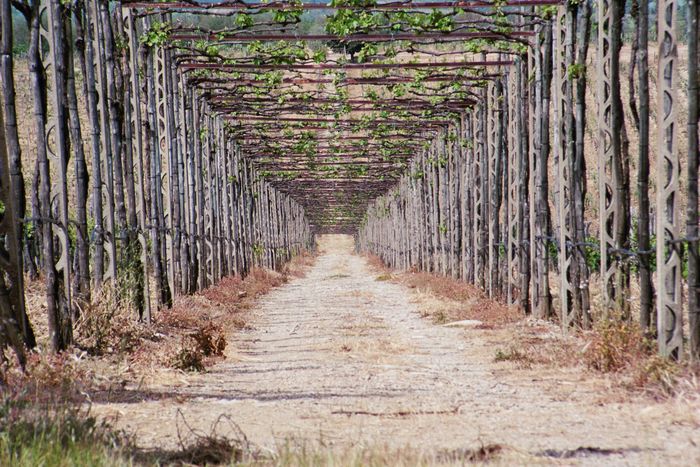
(401, 413)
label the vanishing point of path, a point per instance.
(341, 358)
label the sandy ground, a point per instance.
(340, 358)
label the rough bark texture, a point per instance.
(646, 290)
(14, 167)
(693, 165)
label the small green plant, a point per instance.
(130, 276)
(512, 354)
(258, 251)
(576, 71)
(591, 251)
(188, 358)
(553, 251)
(157, 35)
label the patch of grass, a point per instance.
(190, 336)
(293, 453)
(616, 344)
(513, 354)
(107, 324)
(66, 435)
(619, 347)
(375, 262)
(440, 317)
(203, 448)
(207, 341)
(483, 454)
(206, 450)
(210, 340)
(299, 264)
(657, 375)
(338, 276)
(384, 277)
(62, 435)
(188, 358)
(47, 378)
(472, 302)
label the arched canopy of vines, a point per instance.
(333, 116)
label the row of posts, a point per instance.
(475, 205)
(172, 194)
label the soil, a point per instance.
(342, 357)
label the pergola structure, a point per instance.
(423, 128)
(211, 62)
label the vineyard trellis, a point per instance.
(446, 136)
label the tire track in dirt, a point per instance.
(340, 358)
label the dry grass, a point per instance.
(108, 326)
(513, 354)
(445, 300)
(295, 452)
(211, 448)
(620, 348)
(616, 344)
(112, 347)
(299, 264)
(192, 334)
(47, 378)
(202, 448)
(207, 340)
(614, 348)
(376, 263)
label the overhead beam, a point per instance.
(236, 5)
(342, 66)
(233, 38)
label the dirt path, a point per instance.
(339, 357)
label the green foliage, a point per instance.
(368, 49)
(576, 71)
(348, 22)
(547, 11)
(206, 48)
(288, 16)
(320, 56)
(130, 276)
(277, 53)
(591, 251)
(553, 251)
(244, 20)
(258, 250)
(157, 35)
